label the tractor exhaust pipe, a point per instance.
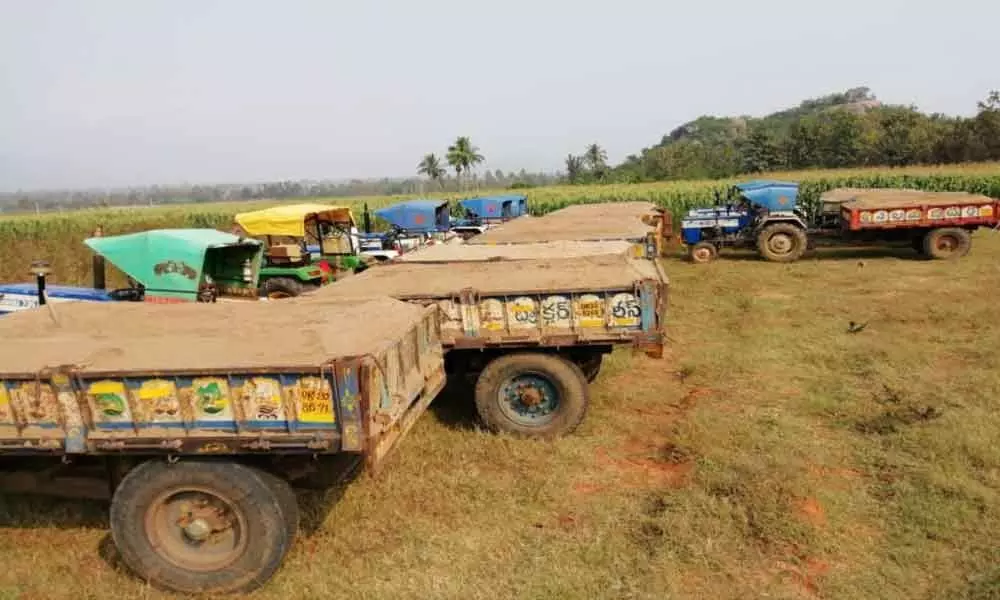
(40, 269)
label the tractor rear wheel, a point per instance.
(703, 252)
(947, 243)
(782, 242)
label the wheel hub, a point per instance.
(529, 399)
(947, 244)
(702, 254)
(529, 396)
(780, 243)
(196, 530)
(201, 520)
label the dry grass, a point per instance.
(773, 454)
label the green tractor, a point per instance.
(290, 269)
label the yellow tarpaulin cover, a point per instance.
(290, 220)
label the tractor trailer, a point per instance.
(768, 217)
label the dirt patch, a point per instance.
(641, 472)
(587, 488)
(691, 398)
(806, 575)
(811, 511)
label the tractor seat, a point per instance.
(285, 252)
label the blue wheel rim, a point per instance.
(530, 399)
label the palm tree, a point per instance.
(596, 158)
(463, 156)
(430, 165)
(574, 165)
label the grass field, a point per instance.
(57, 237)
(770, 454)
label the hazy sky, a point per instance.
(119, 92)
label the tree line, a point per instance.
(841, 130)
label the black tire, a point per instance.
(782, 242)
(288, 502)
(284, 287)
(947, 243)
(555, 386)
(146, 515)
(703, 252)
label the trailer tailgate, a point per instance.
(289, 377)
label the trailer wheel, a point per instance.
(703, 252)
(947, 243)
(782, 242)
(283, 287)
(202, 526)
(288, 502)
(532, 394)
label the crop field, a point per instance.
(774, 452)
(57, 237)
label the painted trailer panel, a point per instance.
(982, 212)
(362, 404)
(530, 302)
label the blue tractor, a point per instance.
(760, 214)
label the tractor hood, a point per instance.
(417, 215)
(172, 262)
(495, 207)
(774, 196)
(291, 220)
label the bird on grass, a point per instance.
(853, 327)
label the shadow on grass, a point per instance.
(454, 407)
(27, 511)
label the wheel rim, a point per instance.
(702, 254)
(946, 244)
(780, 243)
(196, 529)
(529, 399)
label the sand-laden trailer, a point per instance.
(530, 323)
(196, 419)
(638, 222)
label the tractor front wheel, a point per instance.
(283, 287)
(703, 252)
(782, 242)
